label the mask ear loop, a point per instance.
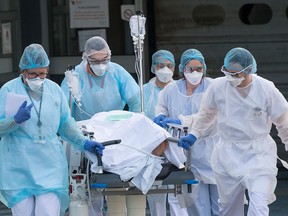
(89, 69)
(24, 77)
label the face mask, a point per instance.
(234, 81)
(164, 74)
(99, 69)
(194, 78)
(35, 84)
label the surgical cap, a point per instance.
(240, 56)
(34, 56)
(190, 54)
(96, 45)
(160, 57)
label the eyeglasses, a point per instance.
(97, 62)
(162, 65)
(226, 72)
(190, 69)
(33, 75)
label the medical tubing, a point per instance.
(141, 74)
(73, 99)
(142, 151)
(81, 110)
(138, 69)
(138, 49)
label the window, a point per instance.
(255, 14)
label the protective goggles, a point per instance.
(190, 69)
(226, 72)
(33, 75)
(97, 62)
(162, 65)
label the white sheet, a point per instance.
(131, 158)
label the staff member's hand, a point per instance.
(93, 146)
(158, 119)
(169, 120)
(23, 113)
(187, 141)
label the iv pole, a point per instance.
(137, 26)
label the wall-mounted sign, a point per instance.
(127, 11)
(84, 35)
(89, 14)
(6, 38)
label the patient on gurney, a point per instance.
(140, 154)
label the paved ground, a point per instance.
(278, 208)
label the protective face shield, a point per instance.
(35, 84)
(234, 81)
(193, 78)
(164, 74)
(99, 69)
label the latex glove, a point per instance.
(158, 119)
(187, 141)
(169, 120)
(23, 113)
(93, 146)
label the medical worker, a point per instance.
(176, 103)
(245, 106)
(104, 85)
(33, 165)
(163, 66)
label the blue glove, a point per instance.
(93, 146)
(23, 113)
(187, 141)
(158, 119)
(169, 120)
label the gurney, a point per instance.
(147, 173)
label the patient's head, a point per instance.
(159, 150)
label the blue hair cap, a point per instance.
(190, 54)
(239, 58)
(160, 57)
(34, 56)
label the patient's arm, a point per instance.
(159, 150)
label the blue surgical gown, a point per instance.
(109, 92)
(27, 167)
(151, 91)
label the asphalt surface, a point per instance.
(278, 208)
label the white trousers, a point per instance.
(174, 205)
(232, 196)
(204, 199)
(42, 205)
(157, 204)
